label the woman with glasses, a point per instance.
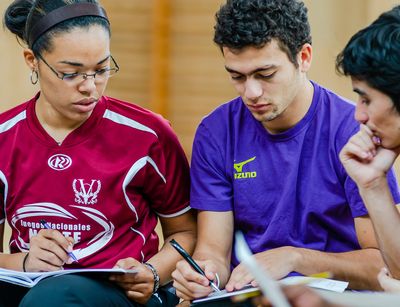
(85, 177)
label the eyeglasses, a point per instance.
(100, 75)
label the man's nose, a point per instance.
(361, 114)
(253, 89)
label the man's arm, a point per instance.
(215, 241)
(367, 163)
(212, 253)
(386, 220)
(359, 267)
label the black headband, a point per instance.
(64, 13)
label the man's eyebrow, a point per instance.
(268, 67)
(359, 92)
(81, 65)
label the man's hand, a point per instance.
(278, 262)
(364, 159)
(138, 286)
(191, 285)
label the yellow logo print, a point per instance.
(239, 170)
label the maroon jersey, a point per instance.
(103, 186)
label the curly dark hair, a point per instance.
(373, 55)
(242, 23)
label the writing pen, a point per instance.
(192, 263)
(47, 226)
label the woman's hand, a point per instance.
(138, 286)
(48, 251)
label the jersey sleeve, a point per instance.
(167, 179)
(211, 187)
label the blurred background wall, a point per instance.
(170, 64)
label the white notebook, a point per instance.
(29, 279)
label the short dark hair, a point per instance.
(22, 15)
(373, 55)
(243, 23)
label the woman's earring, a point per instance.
(34, 77)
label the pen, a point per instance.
(45, 225)
(192, 263)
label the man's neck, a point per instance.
(294, 113)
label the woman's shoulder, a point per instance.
(134, 115)
(16, 113)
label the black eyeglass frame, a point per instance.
(63, 76)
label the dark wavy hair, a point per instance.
(373, 55)
(243, 23)
(22, 15)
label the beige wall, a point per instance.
(14, 79)
(332, 25)
(196, 80)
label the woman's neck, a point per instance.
(53, 122)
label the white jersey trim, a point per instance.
(184, 210)
(2, 221)
(135, 168)
(123, 120)
(12, 122)
(4, 180)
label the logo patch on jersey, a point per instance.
(86, 193)
(59, 162)
(239, 170)
(69, 221)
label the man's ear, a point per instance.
(30, 59)
(305, 57)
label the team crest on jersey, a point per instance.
(86, 192)
(59, 162)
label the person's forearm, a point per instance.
(215, 231)
(386, 221)
(165, 260)
(12, 261)
(360, 268)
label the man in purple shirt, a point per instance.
(266, 163)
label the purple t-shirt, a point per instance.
(287, 189)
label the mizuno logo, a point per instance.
(239, 170)
(239, 166)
